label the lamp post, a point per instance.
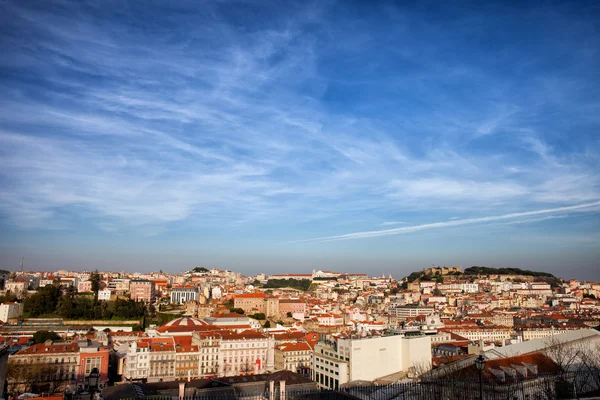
(93, 379)
(480, 364)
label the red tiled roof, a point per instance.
(300, 346)
(51, 349)
(250, 296)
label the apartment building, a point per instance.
(54, 361)
(404, 311)
(10, 310)
(104, 294)
(293, 356)
(257, 302)
(248, 352)
(293, 306)
(17, 286)
(142, 290)
(84, 286)
(66, 363)
(497, 333)
(118, 285)
(182, 295)
(92, 354)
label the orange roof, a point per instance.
(300, 346)
(52, 349)
(250, 296)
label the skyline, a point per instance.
(259, 137)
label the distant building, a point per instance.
(142, 290)
(257, 302)
(181, 295)
(10, 310)
(16, 286)
(293, 306)
(293, 356)
(84, 286)
(104, 294)
(405, 311)
(216, 292)
(442, 270)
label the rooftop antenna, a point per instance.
(22, 257)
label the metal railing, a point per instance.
(573, 385)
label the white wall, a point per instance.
(375, 357)
(416, 352)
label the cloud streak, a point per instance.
(589, 207)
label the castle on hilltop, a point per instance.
(442, 270)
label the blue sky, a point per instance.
(287, 136)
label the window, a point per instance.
(91, 363)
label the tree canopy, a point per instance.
(478, 270)
(43, 335)
(49, 301)
(300, 284)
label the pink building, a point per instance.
(142, 290)
(84, 286)
(291, 305)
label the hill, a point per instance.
(477, 270)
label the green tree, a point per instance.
(43, 335)
(44, 302)
(267, 324)
(289, 314)
(96, 279)
(259, 316)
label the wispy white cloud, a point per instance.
(139, 128)
(589, 207)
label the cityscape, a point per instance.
(299, 200)
(324, 330)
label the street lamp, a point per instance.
(93, 379)
(480, 364)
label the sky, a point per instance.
(380, 137)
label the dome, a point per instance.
(183, 324)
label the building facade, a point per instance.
(10, 310)
(181, 295)
(343, 360)
(293, 356)
(142, 290)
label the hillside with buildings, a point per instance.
(348, 328)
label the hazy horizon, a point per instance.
(274, 137)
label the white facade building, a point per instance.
(104, 294)
(247, 352)
(10, 310)
(182, 295)
(216, 292)
(368, 358)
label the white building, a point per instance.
(369, 358)
(10, 310)
(104, 294)
(119, 285)
(248, 352)
(216, 292)
(404, 311)
(183, 294)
